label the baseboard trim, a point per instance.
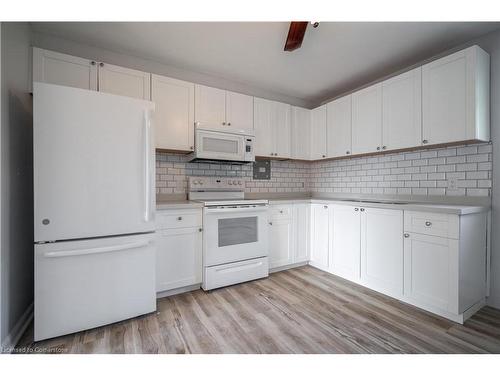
(287, 267)
(18, 330)
(182, 289)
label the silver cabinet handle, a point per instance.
(425, 141)
(406, 235)
(356, 209)
(362, 210)
(179, 218)
(428, 223)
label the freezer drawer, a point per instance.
(86, 284)
(233, 273)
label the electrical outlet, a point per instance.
(452, 184)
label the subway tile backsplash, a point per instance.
(427, 172)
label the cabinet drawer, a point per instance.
(280, 212)
(178, 219)
(238, 272)
(442, 225)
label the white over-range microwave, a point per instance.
(221, 146)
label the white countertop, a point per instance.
(399, 205)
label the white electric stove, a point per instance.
(235, 231)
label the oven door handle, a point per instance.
(218, 210)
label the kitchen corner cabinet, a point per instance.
(117, 80)
(272, 128)
(456, 97)
(178, 249)
(174, 113)
(367, 120)
(301, 133)
(402, 111)
(224, 110)
(338, 127)
(321, 234)
(318, 133)
(65, 70)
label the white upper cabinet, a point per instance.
(455, 97)
(301, 133)
(65, 70)
(239, 111)
(272, 128)
(338, 127)
(117, 80)
(318, 133)
(367, 120)
(225, 110)
(174, 113)
(210, 107)
(402, 111)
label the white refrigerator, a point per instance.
(94, 201)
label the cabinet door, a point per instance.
(301, 225)
(401, 111)
(178, 258)
(447, 98)
(346, 241)
(338, 127)
(382, 250)
(210, 107)
(174, 113)
(320, 230)
(239, 111)
(367, 120)
(301, 133)
(318, 133)
(123, 81)
(431, 272)
(281, 132)
(264, 132)
(65, 70)
(280, 243)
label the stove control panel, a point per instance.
(204, 183)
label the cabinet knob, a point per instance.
(200, 229)
(348, 152)
(101, 64)
(378, 148)
(270, 223)
(324, 156)
(356, 209)
(223, 123)
(228, 124)
(275, 154)
(384, 147)
(191, 147)
(425, 141)
(92, 63)
(179, 218)
(406, 235)
(362, 209)
(325, 206)
(428, 223)
(281, 211)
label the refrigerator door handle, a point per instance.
(147, 172)
(97, 250)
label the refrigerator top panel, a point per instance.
(93, 164)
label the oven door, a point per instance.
(234, 233)
(219, 146)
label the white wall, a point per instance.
(54, 43)
(16, 231)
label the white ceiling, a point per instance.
(334, 58)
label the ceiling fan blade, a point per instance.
(295, 35)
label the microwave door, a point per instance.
(220, 146)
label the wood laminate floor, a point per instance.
(302, 310)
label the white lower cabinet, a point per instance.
(320, 235)
(345, 249)
(301, 229)
(382, 250)
(178, 249)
